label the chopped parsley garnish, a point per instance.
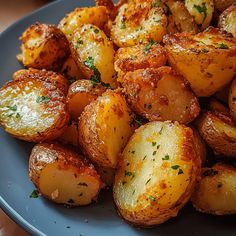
(158, 146)
(137, 120)
(152, 198)
(154, 153)
(96, 31)
(96, 77)
(154, 144)
(180, 172)
(79, 41)
(34, 194)
(222, 46)
(72, 80)
(175, 167)
(12, 108)
(148, 181)
(42, 99)
(157, 3)
(167, 157)
(129, 173)
(18, 115)
(123, 25)
(133, 152)
(201, 9)
(204, 50)
(148, 47)
(144, 157)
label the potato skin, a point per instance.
(43, 46)
(227, 20)
(210, 54)
(48, 76)
(232, 99)
(215, 192)
(219, 131)
(104, 128)
(32, 110)
(221, 5)
(149, 55)
(154, 182)
(150, 94)
(80, 94)
(46, 154)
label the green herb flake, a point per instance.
(154, 153)
(79, 41)
(123, 25)
(158, 146)
(148, 46)
(180, 172)
(34, 194)
(204, 50)
(96, 31)
(222, 46)
(175, 167)
(72, 80)
(42, 99)
(18, 115)
(202, 10)
(148, 181)
(129, 173)
(157, 3)
(167, 157)
(133, 152)
(12, 108)
(144, 157)
(152, 198)
(154, 144)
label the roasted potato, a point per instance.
(94, 54)
(206, 60)
(43, 47)
(71, 71)
(88, 15)
(201, 10)
(138, 21)
(181, 18)
(140, 56)
(221, 5)
(49, 76)
(223, 94)
(157, 173)
(107, 174)
(215, 192)
(80, 94)
(153, 93)
(232, 99)
(219, 131)
(216, 106)
(63, 176)
(105, 126)
(32, 109)
(227, 20)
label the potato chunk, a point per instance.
(216, 193)
(87, 15)
(157, 173)
(149, 55)
(32, 110)
(63, 176)
(221, 5)
(94, 54)
(206, 60)
(153, 93)
(80, 94)
(105, 126)
(219, 131)
(138, 21)
(43, 47)
(232, 99)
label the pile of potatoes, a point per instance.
(135, 96)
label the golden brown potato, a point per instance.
(232, 99)
(63, 176)
(105, 126)
(221, 5)
(138, 21)
(94, 54)
(43, 47)
(87, 15)
(206, 60)
(160, 94)
(201, 10)
(215, 106)
(219, 131)
(80, 94)
(107, 174)
(227, 20)
(151, 55)
(157, 173)
(180, 18)
(216, 193)
(71, 71)
(32, 109)
(48, 76)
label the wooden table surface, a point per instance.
(11, 11)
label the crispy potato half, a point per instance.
(206, 60)
(201, 10)
(105, 126)
(54, 78)
(215, 192)
(232, 99)
(152, 94)
(219, 131)
(80, 94)
(32, 109)
(149, 55)
(87, 15)
(138, 21)
(94, 54)
(43, 46)
(227, 20)
(63, 176)
(156, 174)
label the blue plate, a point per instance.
(41, 217)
